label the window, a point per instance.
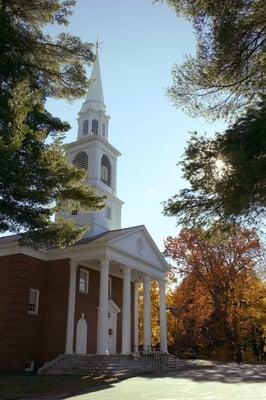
(81, 160)
(108, 212)
(85, 127)
(103, 129)
(94, 126)
(33, 302)
(106, 170)
(84, 281)
(109, 288)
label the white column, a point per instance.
(71, 307)
(126, 312)
(163, 322)
(147, 312)
(102, 347)
(136, 315)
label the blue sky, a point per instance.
(141, 43)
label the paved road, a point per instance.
(215, 382)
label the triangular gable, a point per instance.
(138, 243)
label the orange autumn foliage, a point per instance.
(155, 312)
(219, 308)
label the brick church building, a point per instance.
(82, 299)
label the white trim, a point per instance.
(79, 143)
(71, 306)
(81, 335)
(126, 312)
(102, 346)
(87, 273)
(113, 310)
(95, 249)
(134, 263)
(163, 321)
(147, 311)
(36, 304)
(86, 252)
(149, 239)
(136, 315)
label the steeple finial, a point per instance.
(95, 91)
(98, 45)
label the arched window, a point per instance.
(85, 127)
(81, 160)
(94, 126)
(103, 129)
(106, 170)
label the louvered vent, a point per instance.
(81, 160)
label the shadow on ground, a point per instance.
(31, 386)
(210, 372)
(226, 373)
(217, 372)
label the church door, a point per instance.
(112, 321)
(81, 338)
(113, 310)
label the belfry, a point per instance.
(92, 152)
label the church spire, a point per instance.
(93, 153)
(92, 118)
(95, 90)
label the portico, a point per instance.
(111, 253)
(124, 258)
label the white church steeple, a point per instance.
(92, 118)
(92, 152)
(95, 92)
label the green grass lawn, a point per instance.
(13, 386)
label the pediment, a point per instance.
(139, 244)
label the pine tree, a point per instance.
(226, 175)
(225, 79)
(35, 179)
(228, 71)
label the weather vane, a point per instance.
(98, 45)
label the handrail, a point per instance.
(157, 359)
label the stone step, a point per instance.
(97, 357)
(80, 362)
(102, 372)
(109, 365)
(89, 365)
(114, 373)
(97, 361)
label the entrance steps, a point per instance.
(115, 365)
(95, 364)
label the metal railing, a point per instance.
(157, 359)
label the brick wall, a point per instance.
(53, 337)
(20, 332)
(42, 337)
(25, 337)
